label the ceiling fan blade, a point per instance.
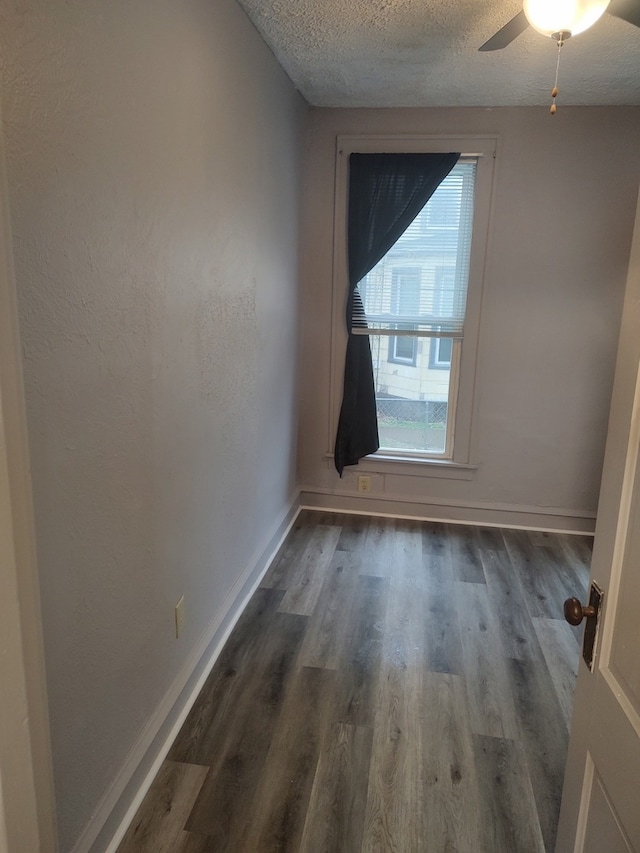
(507, 34)
(628, 10)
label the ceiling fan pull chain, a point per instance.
(554, 92)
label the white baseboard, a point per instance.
(461, 512)
(117, 809)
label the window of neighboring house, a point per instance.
(422, 281)
(403, 350)
(424, 371)
(405, 299)
(440, 352)
(441, 349)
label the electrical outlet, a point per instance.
(364, 483)
(179, 613)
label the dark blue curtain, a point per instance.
(386, 193)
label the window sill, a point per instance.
(444, 469)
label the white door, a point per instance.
(601, 798)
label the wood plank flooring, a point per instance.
(392, 687)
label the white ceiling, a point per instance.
(424, 53)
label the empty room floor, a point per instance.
(392, 685)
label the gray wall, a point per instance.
(153, 163)
(565, 191)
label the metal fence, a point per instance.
(412, 425)
(394, 411)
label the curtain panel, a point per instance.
(386, 193)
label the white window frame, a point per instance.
(464, 357)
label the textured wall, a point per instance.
(559, 241)
(153, 159)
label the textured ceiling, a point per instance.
(419, 53)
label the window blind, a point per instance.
(420, 286)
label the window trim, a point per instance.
(462, 405)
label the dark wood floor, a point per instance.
(392, 686)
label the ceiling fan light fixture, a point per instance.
(563, 16)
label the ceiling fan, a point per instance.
(559, 20)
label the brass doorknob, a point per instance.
(575, 611)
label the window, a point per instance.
(440, 352)
(403, 350)
(405, 299)
(424, 371)
(416, 294)
(441, 349)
